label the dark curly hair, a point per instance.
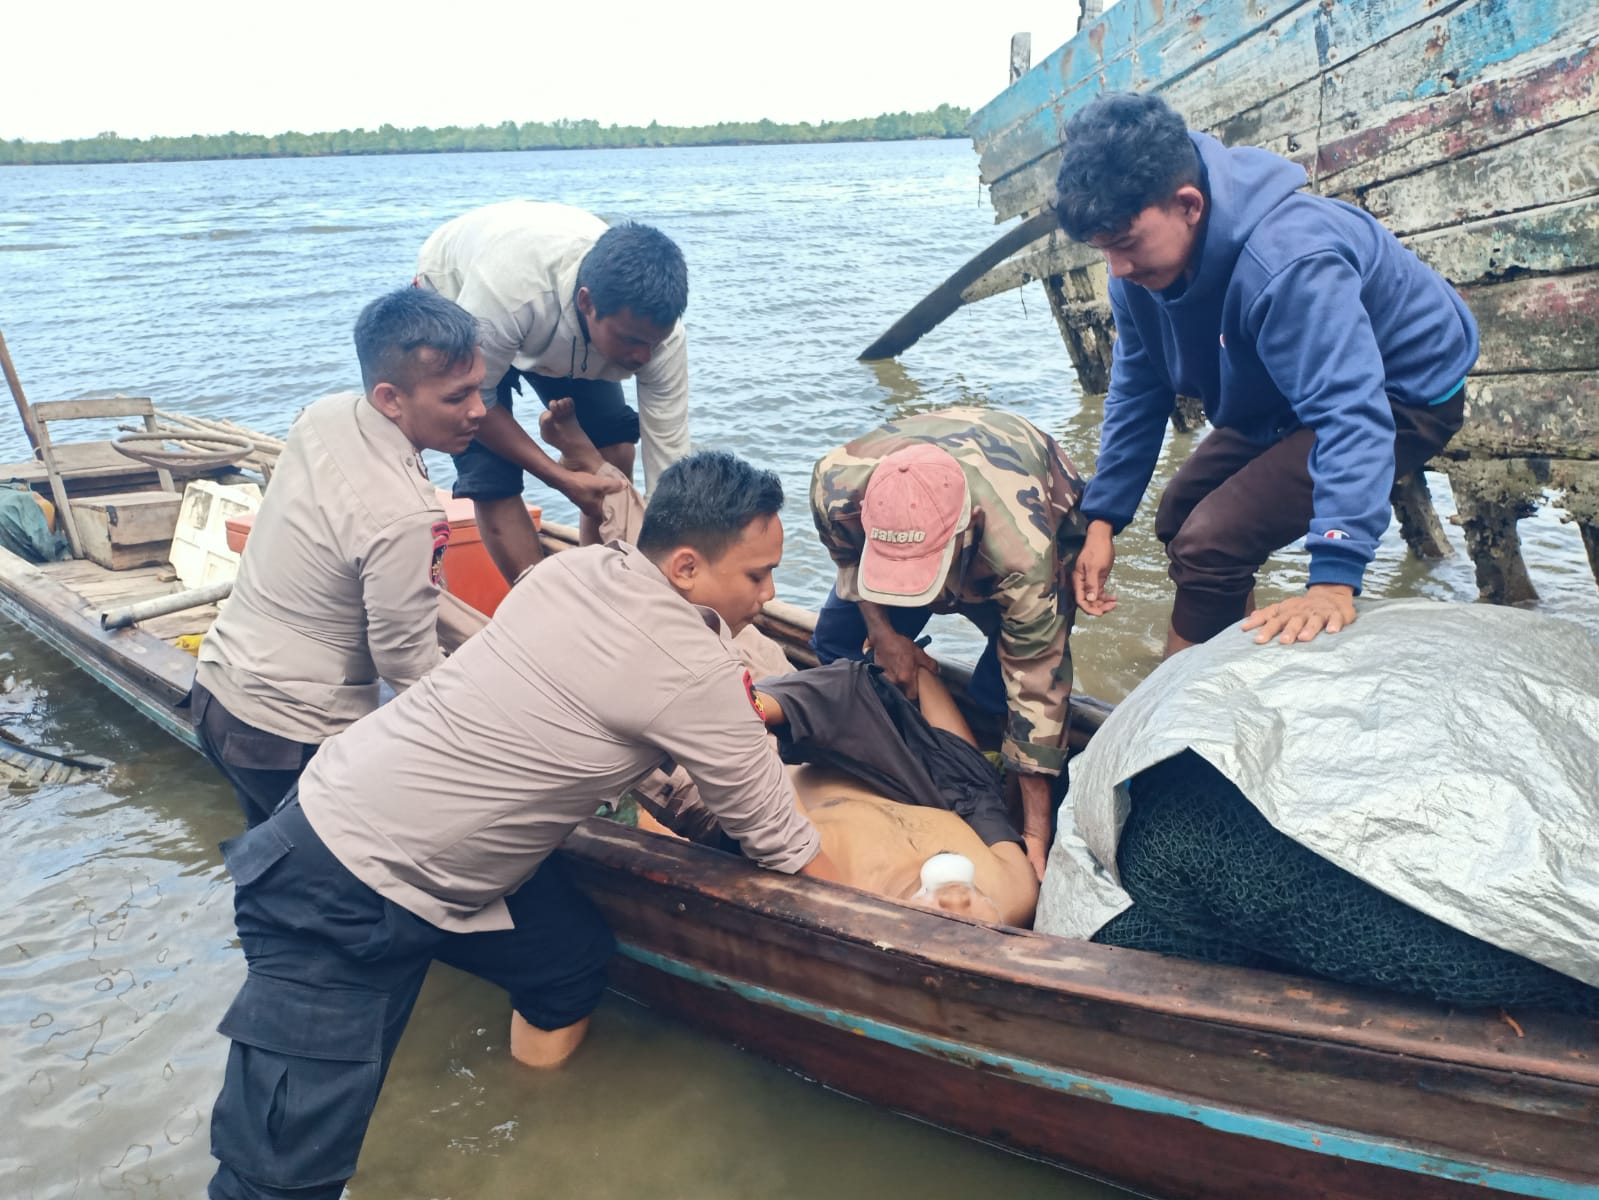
(1124, 152)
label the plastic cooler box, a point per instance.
(469, 573)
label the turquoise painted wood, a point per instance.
(1216, 60)
(1316, 1139)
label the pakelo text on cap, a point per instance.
(898, 535)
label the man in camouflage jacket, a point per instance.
(970, 511)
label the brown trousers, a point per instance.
(1235, 502)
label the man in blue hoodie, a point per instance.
(1329, 359)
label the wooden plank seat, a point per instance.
(103, 520)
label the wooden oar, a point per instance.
(946, 297)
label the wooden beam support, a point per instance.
(1087, 329)
(14, 384)
(1021, 55)
(1419, 523)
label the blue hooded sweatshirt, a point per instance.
(1303, 311)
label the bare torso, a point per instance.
(879, 845)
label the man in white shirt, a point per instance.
(339, 585)
(573, 307)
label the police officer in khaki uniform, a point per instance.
(339, 585)
(422, 831)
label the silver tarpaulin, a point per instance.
(1447, 754)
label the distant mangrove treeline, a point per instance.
(941, 122)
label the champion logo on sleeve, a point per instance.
(1335, 535)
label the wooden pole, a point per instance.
(946, 297)
(1021, 55)
(15, 384)
(160, 606)
(263, 442)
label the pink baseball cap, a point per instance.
(916, 504)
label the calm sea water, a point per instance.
(229, 290)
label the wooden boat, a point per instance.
(1178, 1078)
(1469, 127)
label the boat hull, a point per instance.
(1178, 1078)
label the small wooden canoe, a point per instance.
(1178, 1078)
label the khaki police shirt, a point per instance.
(339, 583)
(592, 672)
(513, 266)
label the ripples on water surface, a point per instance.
(229, 290)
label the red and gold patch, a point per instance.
(755, 701)
(441, 543)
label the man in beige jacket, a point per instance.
(339, 584)
(423, 832)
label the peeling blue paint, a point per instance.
(1500, 32)
(1146, 45)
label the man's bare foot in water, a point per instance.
(559, 428)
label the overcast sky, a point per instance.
(181, 66)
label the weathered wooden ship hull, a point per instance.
(1469, 127)
(1178, 1078)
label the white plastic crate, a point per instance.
(200, 553)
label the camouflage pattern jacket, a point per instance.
(1018, 568)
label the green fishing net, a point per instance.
(1211, 879)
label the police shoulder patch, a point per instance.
(441, 543)
(755, 701)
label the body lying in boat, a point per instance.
(874, 841)
(881, 844)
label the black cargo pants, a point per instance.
(261, 766)
(334, 971)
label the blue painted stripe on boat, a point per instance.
(1336, 1143)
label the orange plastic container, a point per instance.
(469, 572)
(239, 531)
